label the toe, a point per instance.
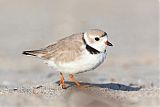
(64, 87)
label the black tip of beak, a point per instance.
(108, 43)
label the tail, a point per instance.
(32, 53)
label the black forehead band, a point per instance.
(104, 34)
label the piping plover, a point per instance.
(77, 53)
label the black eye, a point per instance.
(97, 39)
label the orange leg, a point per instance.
(61, 82)
(74, 80)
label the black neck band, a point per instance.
(90, 49)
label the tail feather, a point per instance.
(32, 53)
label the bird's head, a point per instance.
(97, 39)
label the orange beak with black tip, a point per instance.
(108, 43)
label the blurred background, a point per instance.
(132, 26)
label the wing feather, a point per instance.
(65, 50)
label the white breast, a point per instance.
(85, 63)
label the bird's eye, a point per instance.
(97, 39)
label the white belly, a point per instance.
(87, 62)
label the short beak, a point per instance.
(108, 43)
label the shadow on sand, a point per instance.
(113, 86)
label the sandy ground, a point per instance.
(93, 95)
(128, 78)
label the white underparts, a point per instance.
(86, 62)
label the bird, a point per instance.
(77, 53)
